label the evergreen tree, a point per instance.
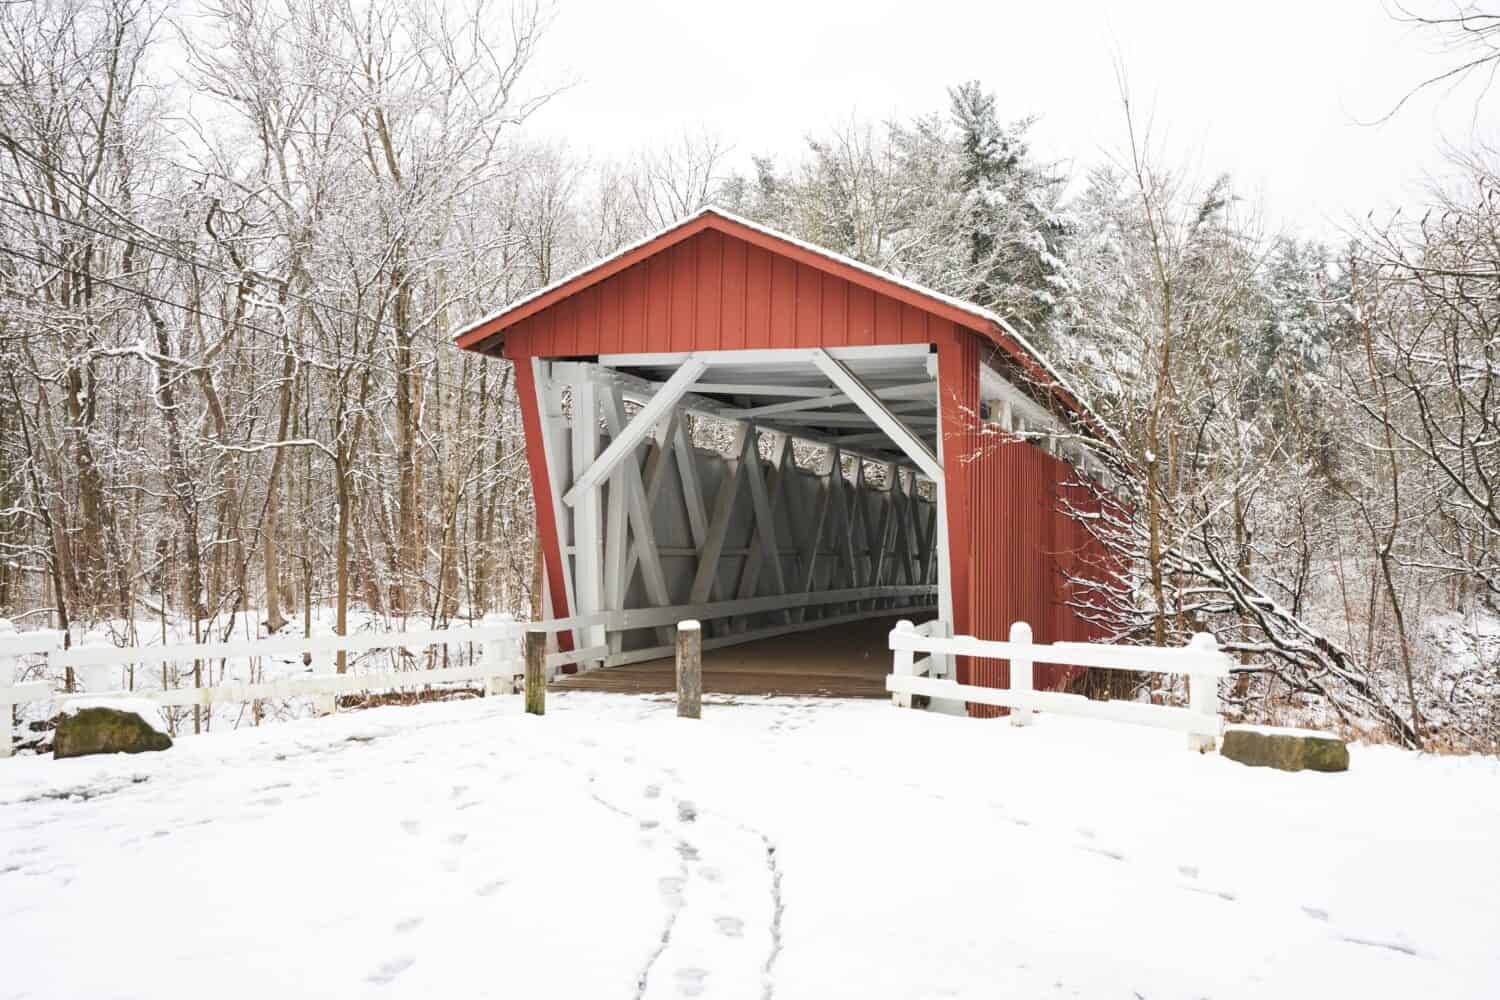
(1010, 217)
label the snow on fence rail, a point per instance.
(1201, 661)
(498, 665)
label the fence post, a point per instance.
(904, 664)
(689, 669)
(1203, 694)
(325, 664)
(1020, 674)
(7, 681)
(536, 672)
(492, 652)
(942, 663)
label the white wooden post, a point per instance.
(7, 681)
(942, 663)
(904, 665)
(493, 651)
(1203, 694)
(325, 664)
(1020, 673)
(588, 542)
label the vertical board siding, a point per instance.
(758, 271)
(708, 330)
(808, 294)
(958, 410)
(782, 331)
(684, 290)
(611, 314)
(714, 291)
(1009, 542)
(541, 490)
(733, 305)
(835, 325)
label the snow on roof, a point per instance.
(978, 312)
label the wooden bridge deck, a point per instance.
(841, 661)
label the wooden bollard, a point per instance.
(689, 670)
(536, 673)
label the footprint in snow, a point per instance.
(490, 888)
(389, 971)
(457, 791)
(686, 812)
(1188, 871)
(686, 851)
(411, 826)
(1396, 946)
(652, 791)
(407, 925)
(1223, 894)
(690, 981)
(457, 839)
(730, 926)
(670, 886)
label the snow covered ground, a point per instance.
(778, 848)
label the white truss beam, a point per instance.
(632, 434)
(911, 445)
(915, 390)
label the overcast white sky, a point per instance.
(1272, 91)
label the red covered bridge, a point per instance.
(725, 423)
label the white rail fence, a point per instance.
(498, 663)
(1201, 661)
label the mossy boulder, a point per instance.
(1284, 749)
(105, 730)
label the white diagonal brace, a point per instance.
(765, 516)
(632, 434)
(656, 474)
(692, 489)
(705, 580)
(781, 455)
(638, 513)
(915, 390)
(859, 393)
(823, 501)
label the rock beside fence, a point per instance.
(1284, 749)
(105, 730)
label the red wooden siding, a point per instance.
(541, 491)
(714, 291)
(1009, 543)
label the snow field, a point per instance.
(778, 848)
